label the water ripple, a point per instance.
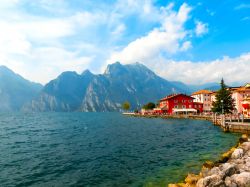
(103, 149)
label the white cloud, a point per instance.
(44, 64)
(31, 45)
(169, 38)
(232, 69)
(8, 3)
(201, 28)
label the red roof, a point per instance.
(175, 95)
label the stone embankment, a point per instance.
(232, 170)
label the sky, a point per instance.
(191, 41)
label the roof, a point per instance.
(175, 95)
(243, 88)
(202, 92)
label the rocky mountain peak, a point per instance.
(115, 69)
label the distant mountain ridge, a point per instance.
(15, 91)
(105, 92)
(70, 91)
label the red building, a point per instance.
(179, 103)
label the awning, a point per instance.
(184, 110)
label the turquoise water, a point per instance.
(104, 149)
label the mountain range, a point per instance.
(70, 91)
(15, 91)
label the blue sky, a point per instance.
(191, 41)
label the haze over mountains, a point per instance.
(15, 91)
(88, 92)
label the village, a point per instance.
(200, 102)
(199, 106)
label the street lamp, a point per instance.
(222, 106)
(222, 117)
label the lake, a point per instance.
(104, 149)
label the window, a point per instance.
(183, 106)
(175, 101)
(190, 106)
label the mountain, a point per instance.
(15, 90)
(105, 92)
(134, 83)
(65, 93)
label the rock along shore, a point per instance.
(231, 170)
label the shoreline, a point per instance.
(231, 170)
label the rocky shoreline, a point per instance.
(231, 170)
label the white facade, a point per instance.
(203, 96)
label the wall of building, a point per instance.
(178, 102)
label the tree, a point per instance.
(224, 103)
(126, 105)
(149, 106)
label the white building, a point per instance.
(203, 96)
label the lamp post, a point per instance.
(222, 106)
(222, 110)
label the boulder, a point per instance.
(245, 146)
(213, 180)
(215, 171)
(229, 182)
(247, 162)
(228, 169)
(242, 179)
(244, 138)
(238, 153)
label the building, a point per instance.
(213, 98)
(179, 103)
(246, 107)
(240, 95)
(204, 97)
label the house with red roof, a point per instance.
(179, 103)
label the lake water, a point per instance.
(104, 149)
